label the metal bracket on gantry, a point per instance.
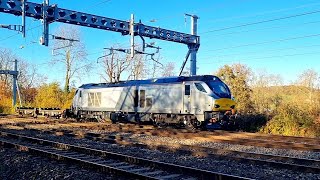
(51, 13)
(19, 28)
(111, 51)
(149, 54)
(14, 74)
(70, 40)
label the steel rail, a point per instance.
(286, 162)
(272, 141)
(84, 155)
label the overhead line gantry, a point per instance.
(52, 13)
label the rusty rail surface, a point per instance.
(124, 165)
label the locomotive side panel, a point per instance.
(111, 98)
(100, 99)
(125, 101)
(162, 98)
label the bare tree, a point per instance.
(168, 70)
(138, 67)
(262, 79)
(71, 54)
(28, 79)
(142, 65)
(115, 64)
(310, 79)
(6, 63)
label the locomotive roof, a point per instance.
(153, 81)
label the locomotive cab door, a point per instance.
(77, 102)
(186, 98)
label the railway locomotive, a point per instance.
(195, 101)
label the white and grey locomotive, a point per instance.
(188, 101)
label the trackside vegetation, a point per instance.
(264, 103)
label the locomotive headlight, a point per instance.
(216, 106)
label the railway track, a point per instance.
(258, 141)
(299, 164)
(285, 162)
(124, 165)
(246, 135)
(240, 138)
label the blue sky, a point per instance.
(285, 47)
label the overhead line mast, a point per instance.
(14, 74)
(51, 13)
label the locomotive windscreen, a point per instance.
(219, 88)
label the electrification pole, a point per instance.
(23, 18)
(132, 35)
(14, 87)
(14, 74)
(193, 50)
(45, 32)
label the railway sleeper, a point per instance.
(95, 156)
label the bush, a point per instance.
(68, 99)
(6, 105)
(292, 120)
(251, 122)
(49, 96)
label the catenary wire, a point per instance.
(266, 28)
(255, 52)
(265, 57)
(265, 12)
(220, 6)
(96, 4)
(260, 22)
(266, 42)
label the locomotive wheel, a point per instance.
(159, 124)
(100, 119)
(189, 124)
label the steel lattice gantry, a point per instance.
(14, 74)
(51, 13)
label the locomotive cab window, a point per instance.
(220, 89)
(200, 87)
(187, 90)
(142, 98)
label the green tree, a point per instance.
(50, 95)
(237, 77)
(67, 99)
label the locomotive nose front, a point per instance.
(223, 104)
(221, 115)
